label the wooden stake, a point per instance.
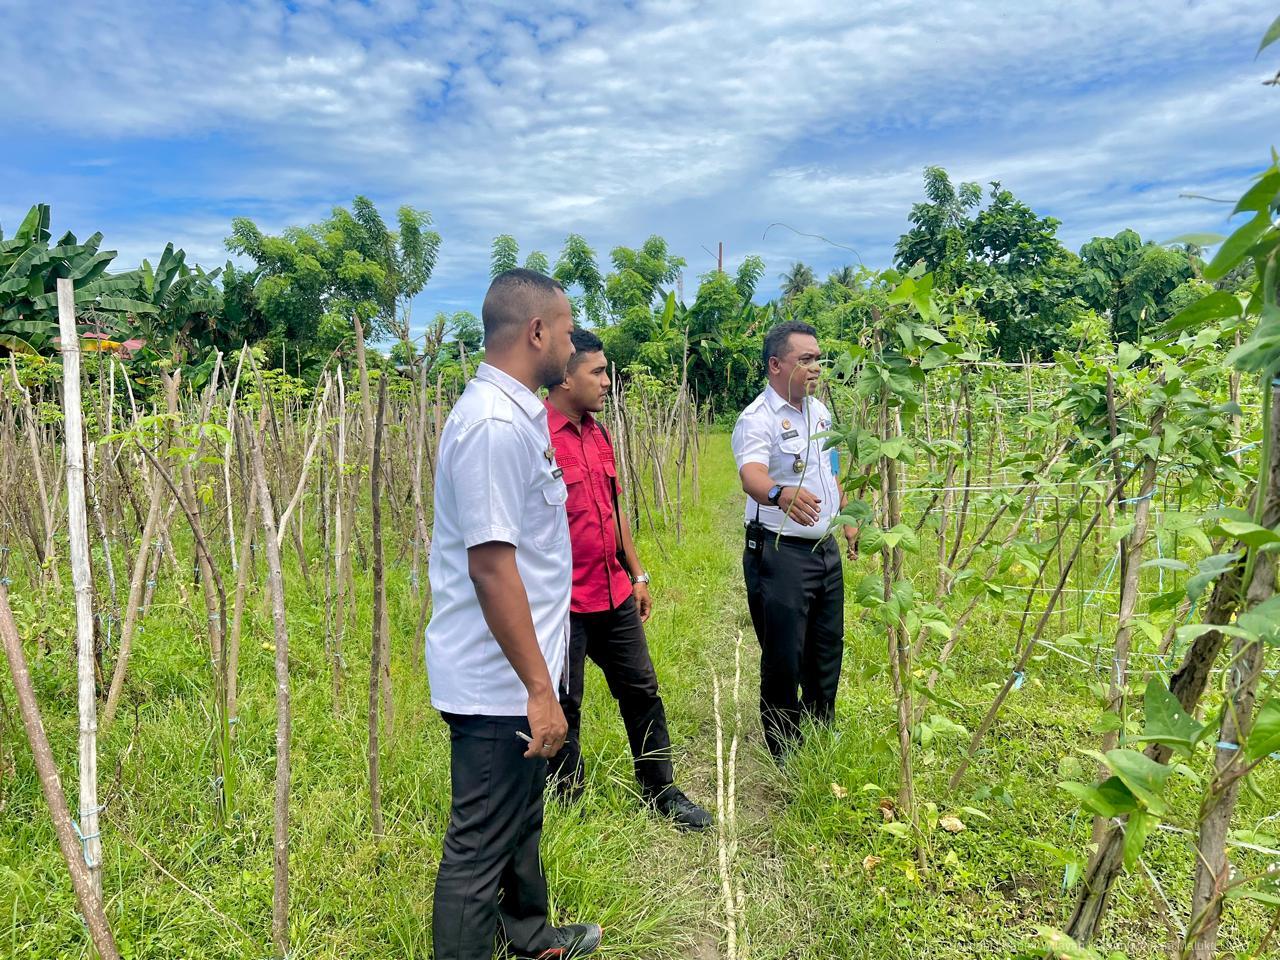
(81, 579)
(379, 606)
(87, 896)
(275, 584)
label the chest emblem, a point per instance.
(786, 424)
(549, 455)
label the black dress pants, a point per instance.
(491, 879)
(796, 596)
(614, 639)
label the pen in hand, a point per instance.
(528, 739)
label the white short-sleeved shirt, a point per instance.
(496, 480)
(771, 432)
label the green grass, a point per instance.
(180, 888)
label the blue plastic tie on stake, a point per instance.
(1106, 579)
(1246, 447)
(1145, 496)
(84, 843)
(1160, 569)
(5, 581)
(1224, 745)
(1019, 678)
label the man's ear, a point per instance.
(536, 331)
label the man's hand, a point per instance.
(800, 505)
(547, 725)
(644, 601)
(851, 536)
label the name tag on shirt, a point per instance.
(791, 435)
(557, 473)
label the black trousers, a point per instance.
(796, 597)
(491, 879)
(614, 639)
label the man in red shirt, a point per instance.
(610, 599)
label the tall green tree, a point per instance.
(577, 270)
(939, 233)
(504, 255)
(639, 277)
(1003, 258)
(725, 331)
(1132, 281)
(316, 280)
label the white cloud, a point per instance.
(698, 121)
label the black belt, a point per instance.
(807, 543)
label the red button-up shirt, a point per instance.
(585, 455)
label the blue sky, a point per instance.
(702, 122)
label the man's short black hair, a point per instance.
(776, 340)
(514, 296)
(584, 342)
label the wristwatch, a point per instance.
(774, 493)
(643, 578)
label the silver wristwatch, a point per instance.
(643, 578)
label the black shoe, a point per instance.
(572, 940)
(674, 805)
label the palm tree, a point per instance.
(845, 276)
(796, 280)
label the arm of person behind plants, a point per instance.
(505, 605)
(798, 503)
(644, 601)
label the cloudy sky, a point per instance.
(702, 122)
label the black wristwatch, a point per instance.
(774, 493)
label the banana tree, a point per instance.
(184, 299)
(29, 270)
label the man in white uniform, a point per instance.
(501, 570)
(794, 580)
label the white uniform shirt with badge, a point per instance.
(496, 480)
(786, 441)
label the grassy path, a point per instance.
(180, 888)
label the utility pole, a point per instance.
(720, 257)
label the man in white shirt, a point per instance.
(794, 580)
(501, 571)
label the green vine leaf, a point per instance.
(1264, 739)
(1144, 777)
(1167, 722)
